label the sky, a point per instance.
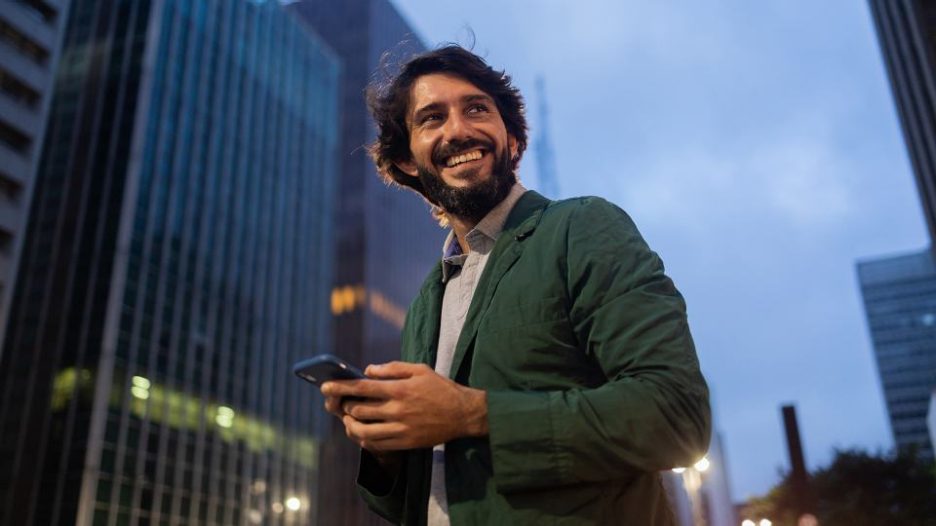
(757, 147)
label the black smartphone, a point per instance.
(325, 367)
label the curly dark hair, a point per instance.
(389, 104)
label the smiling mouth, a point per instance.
(456, 160)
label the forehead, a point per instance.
(441, 88)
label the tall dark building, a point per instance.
(907, 34)
(30, 40)
(900, 302)
(177, 262)
(900, 292)
(386, 238)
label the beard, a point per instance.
(473, 202)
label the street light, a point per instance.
(293, 504)
(702, 466)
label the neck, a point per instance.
(461, 227)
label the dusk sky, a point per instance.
(757, 147)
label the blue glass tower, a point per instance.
(386, 240)
(177, 262)
(900, 292)
(900, 302)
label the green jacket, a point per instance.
(593, 384)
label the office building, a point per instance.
(931, 417)
(907, 35)
(545, 156)
(386, 238)
(176, 263)
(900, 292)
(30, 37)
(900, 303)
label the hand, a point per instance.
(407, 406)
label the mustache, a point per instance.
(451, 148)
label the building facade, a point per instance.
(907, 35)
(900, 303)
(30, 38)
(931, 417)
(177, 262)
(386, 239)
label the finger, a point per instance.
(369, 410)
(358, 388)
(364, 431)
(397, 443)
(333, 405)
(395, 370)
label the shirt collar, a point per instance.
(490, 226)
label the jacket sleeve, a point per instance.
(384, 493)
(653, 411)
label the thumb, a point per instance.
(393, 370)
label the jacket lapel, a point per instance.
(426, 318)
(520, 224)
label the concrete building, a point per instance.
(177, 262)
(900, 302)
(386, 239)
(30, 37)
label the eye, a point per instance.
(477, 108)
(430, 117)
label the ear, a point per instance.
(512, 146)
(408, 167)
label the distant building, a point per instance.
(700, 494)
(931, 419)
(907, 35)
(386, 239)
(900, 292)
(900, 303)
(177, 262)
(30, 39)
(545, 157)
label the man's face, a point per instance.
(460, 148)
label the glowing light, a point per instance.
(258, 486)
(702, 465)
(139, 381)
(765, 522)
(225, 417)
(140, 392)
(277, 507)
(748, 522)
(293, 503)
(679, 470)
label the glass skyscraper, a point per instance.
(177, 262)
(900, 292)
(900, 302)
(386, 239)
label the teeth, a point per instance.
(463, 158)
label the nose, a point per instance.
(456, 127)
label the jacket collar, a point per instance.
(520, 225)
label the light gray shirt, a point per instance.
(460, 273)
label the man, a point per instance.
(547, 374)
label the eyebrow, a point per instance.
(436, 106)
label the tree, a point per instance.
(860, 489)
